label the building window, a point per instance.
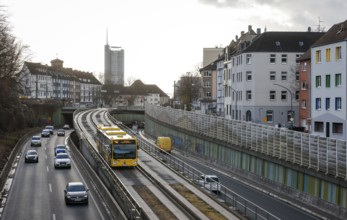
(272, 58)
(272, 95)
(297, 93)
(338, 53)
(318, 56)
(272, 76)
(303, 85)
(303, 104)
(249, 76)
(283, 75)
(303, 66)
(297, 76)
(284, 58)
(208, 94)
(283, 95)
(248, 58)
(338, 103)
(318, 103)
(318, 126)
(338, 80)
(327, 81)
(327, 103)
(327, 54)
(248, 95)
(318, 81)
(269, 116)
(337, 128)
(207, 84)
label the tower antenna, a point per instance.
(107, 36)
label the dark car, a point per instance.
(76, 192)
(31, 156)
(61, 132)
(45, 133)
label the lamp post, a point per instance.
(291, 103)
(237, 114)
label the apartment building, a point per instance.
(208, 102)
(262, 79)
(328, 83)
(304, 91)
(56, 82)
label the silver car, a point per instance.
(62, 160)
(31, 156)
(35, 141)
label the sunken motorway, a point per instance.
(151, 190)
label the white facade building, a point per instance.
(328, 83)
(114, 65)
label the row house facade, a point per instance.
(56, 82)
(329, 83)
(261, 76)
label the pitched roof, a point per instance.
(337, 33)
(63, 73)
(283, 42)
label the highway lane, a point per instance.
(37, 191)
(273, 205)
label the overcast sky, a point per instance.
(162, 39)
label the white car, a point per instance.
(210, 182)
(62, 160)
(35, 141)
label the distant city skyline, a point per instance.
(162, 41)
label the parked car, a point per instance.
(66, 127)
(76, 192)
(45, 133)
(50, 128)
(210, 182)
(35, 141)
(31, 156)
(62, 160)
(61, 132)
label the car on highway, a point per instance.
(35, 141)
(45, 133)
(66, 127)
(76, 192)
(50, 128)
(60, 148)
(61, 132)
(210, 182)
(62, 160)
(31, 156)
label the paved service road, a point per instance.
(37, 191)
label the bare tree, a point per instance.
(188, 89)
(129, 81)
(11, 62)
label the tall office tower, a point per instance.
(114, 65)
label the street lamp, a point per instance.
(235, 103)
(291, 102)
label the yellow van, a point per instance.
(164, 143)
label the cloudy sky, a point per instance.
(162, 39)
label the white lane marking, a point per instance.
(47, 169)
(50, 187)
(53, 216)
(46, 156)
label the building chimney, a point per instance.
(236, 37)
(242, 32)
(249, 28)
(309, 29)
(258, 31)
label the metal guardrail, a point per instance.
(229, 197)
(318, 153)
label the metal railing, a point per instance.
(318, 153)
(232, 199)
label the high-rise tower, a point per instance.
(114, 64)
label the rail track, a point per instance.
(155, 190)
